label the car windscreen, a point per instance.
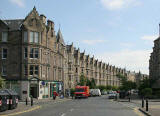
(79, 90)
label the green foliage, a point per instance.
(2, 82)
(147, 92)
(93, 84)
(158, 94)
(72, 90)
(83, 80)
(115, 88)
(101, 87)
(126, 85)
(145, 83)
(108, 87)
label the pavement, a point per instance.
(154, 106)
(37, 104)
(93, 106)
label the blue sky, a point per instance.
(119, 32)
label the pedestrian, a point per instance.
(54, 95)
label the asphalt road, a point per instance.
(94, 106)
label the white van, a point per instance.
(95, 92)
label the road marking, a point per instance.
(134, 108)
(17, 113)
(71, 110)
(138, 112)
(63, 114)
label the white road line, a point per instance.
(63, 114)
(71, 110)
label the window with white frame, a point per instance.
(34, 52)
(25, 52)
(36, 70)
(25, 36)
(31, 37)
(4, 36)
(4, 53)
(34, 37)
(4, 71)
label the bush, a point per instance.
(72, 92)
(108, 87)
(147, 92)
(2, 82)
(114, 88)
(101, 87)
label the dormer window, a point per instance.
(4, 36)
(34, 37)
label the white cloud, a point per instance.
(133, 60)
(93, 42)
(118, 4)
(149, 37)
(20, 3)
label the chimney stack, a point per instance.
(43, 18)
(50, 24)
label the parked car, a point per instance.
(104, 92)
(112, 95)
(95, 92)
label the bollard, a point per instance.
(129, 99)
(53, 97)
(26, 101)
(142, 102)
(31, 101)
(146, 104)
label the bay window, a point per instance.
(4, 36)
(34, 37)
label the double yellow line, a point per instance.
(17, 113)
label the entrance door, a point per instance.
(34, 91)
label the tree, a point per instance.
(93, 84)
(126, 85)
(145, 83)
(2, 82)
(82, 80)
(147, 92)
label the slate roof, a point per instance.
(60, 37)
(14, 24)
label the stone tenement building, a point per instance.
(35, 61)
(154, 64)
